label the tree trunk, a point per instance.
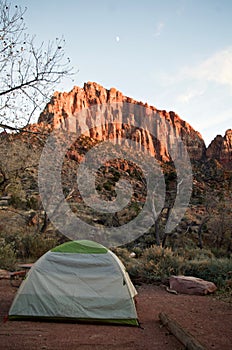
(165, 233)
(200, 241)
(157, 235)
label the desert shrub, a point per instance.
(116, 174)
(13, 240)
(135, 267)
(35, 246)
(156, 264)
(122, 253)
(160, 263)
(18, 202)
(32, 203)
(156, 252)
(138, 251)
(195, 253)
(7, 255)
(107, 186)
(220, 252)
(214, 270)
(99, 187)
(27, 246)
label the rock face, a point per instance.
(191, 285)
(168, 126)
(221, 149)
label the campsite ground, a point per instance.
(206, 318)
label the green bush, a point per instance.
(134, 267)
(17, 202)
(25, 246)
(32, 203)
(7, 255)
(122, 253)
(160, 263)
(34, 246)
(13, 240)
(151, 265)
(195, 253)
(156, 264)
(138, 251)
(214, 270)
(108, 186)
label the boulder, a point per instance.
(191, 285)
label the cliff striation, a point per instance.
(167, 126)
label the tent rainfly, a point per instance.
(77, 281)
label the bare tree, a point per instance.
(28, 73)
(220, 224)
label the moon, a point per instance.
(117, 39)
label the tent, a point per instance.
(77, 281)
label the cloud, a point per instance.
(217, 68)
(201, 93)
(158, 29)
(189, 95)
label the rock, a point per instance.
(191, 285)
(4, 274)
(169, 126)
(3, 203)
(221, 149)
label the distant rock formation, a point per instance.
(221, 149)
(169, 126)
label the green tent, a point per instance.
(77, 281)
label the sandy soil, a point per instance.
(207, 319)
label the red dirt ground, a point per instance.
(207, 319)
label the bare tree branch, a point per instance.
(28, 72)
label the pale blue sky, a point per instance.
(173, 54)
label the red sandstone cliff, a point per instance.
(169, 125)
(221, 149)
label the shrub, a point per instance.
(7, 255)
(107, 186)
(13, 240)
(138, 251)
(33, 203)
(214, 270)
(18, 202)
(156, 264)
(195, 253)
(160, 263)
(34, 246)
(25, 246)
(134, 267)
(122, 253)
